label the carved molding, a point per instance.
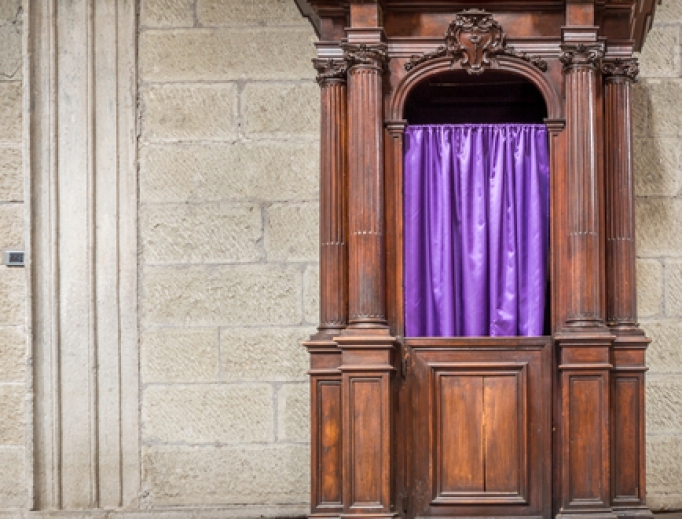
(581, 54)
(618, 68)
(363, 54)
(474, 38)
(330, 70)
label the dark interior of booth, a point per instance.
(457, 97)
(494, 97)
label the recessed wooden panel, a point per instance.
(586, 416)
(626, 438)
(460, 434)
(328, 400)
(365, 412)
(480, 433)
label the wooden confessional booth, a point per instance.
(537, 424)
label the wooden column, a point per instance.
(584, 341)
(367, 347)
(628, 448)
(325, 355)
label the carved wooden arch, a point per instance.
(511, 64)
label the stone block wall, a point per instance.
(13, 289)
(658, 154)
(228, 173)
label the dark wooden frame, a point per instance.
(369, 452)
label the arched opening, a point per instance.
(476, 207)
(456, 97)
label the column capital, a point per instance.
(375, 55)
(581, 55)
(619, 69)
(330, 70)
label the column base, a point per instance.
(601, 514)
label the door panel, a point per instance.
(481, 427)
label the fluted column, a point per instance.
(584, 341)
(325, 356)
(367, 306)
(628, 449)
(367, 348)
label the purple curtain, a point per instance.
(476, 230)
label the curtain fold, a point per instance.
(476, 230)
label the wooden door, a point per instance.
(479, 427)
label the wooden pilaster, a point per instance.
(628, 449)
(584, 341)
(325, 355)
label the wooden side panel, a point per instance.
(365, 451)
(460, 428)
(626, 469)
(586, 416)
(328, 485)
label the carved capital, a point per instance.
(363, 54)
(581, 55)
(474, 38)
(620, 69)
(331, 70)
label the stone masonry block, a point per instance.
(12, 414)
(201, 233)
(673, 288)
(657, 166)
(10, 51)
(227, 54)
(269, 172)
(663, 404)
(664, 470)
(166, 13)
(665, 352)
(224, 475)
(311, 294)
(9, 11)
(665, 117)
(292, 232)
(12, 479)
(200, 414)
(11, 179)
(281, 109)
(293, 401)
(194, 112)
(179, 355)
(12, 354)
(237, 12)
(272, 354)
(222, 295)
(10, 110)
(11, 225)
(649, 287)
(659, 227)
(12, 296)
(640, 109)
(669, 11)
(661, 53)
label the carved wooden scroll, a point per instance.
(474, 38)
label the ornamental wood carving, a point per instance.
(474, 38)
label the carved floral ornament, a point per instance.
(474, 38)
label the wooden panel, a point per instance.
(480, 429)
(365, 409)
(586, 416)
(460, 433)
(626, 438)
(480, 432)
(503, 423)
(328, 429)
